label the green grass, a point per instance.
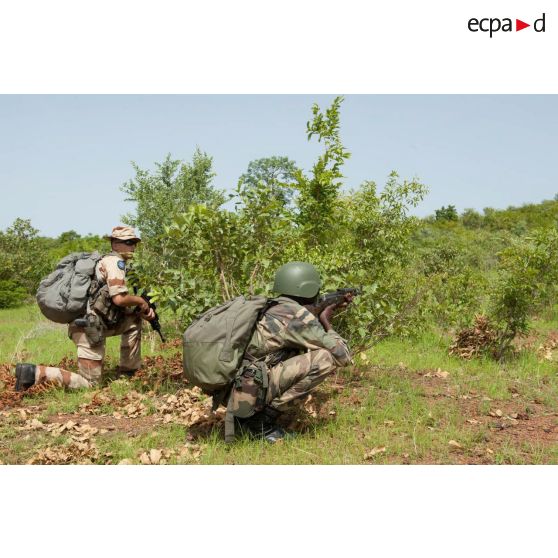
(25, 335)
(385, 402)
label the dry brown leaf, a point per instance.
(155, 456)
(455, 444)
(144, 458)
(472, 421)
(36, 424)
(126, 462)
(389, 422)
(374, 452)
(67, 426)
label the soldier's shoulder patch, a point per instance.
(121, 265)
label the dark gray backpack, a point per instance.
(62, 296)
(215, 343)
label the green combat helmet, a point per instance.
(297, 279)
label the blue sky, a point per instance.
(64, 157)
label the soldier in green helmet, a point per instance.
(297, 350)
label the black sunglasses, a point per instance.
(129, 242)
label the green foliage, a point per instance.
(159, 196)
(517, 220)
(471, 219)
(11, 294)
(448, 213)
(209, 254)
(527, 282)
(171, 189)
(23, 259)
(71, 241)
(318, 193)
(277, 174)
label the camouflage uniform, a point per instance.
(60, 376)
(289, 354)
(104, 319)
(111, 277)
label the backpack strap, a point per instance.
(229, 421)
(270, 302)
(96, 284)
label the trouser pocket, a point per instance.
(250, 390)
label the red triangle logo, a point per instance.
(519, 25)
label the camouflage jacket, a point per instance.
(287, 329)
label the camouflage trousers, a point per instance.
(289, 380)
(61, 377)
(91, 355)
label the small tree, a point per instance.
(527, 282)
(23, 257)
(448, 213)
(277, 174)
(318, 193)
(171, 189)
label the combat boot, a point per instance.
(122, 373)
(261, 425)
(25, 376)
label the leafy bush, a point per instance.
(11, 294)
(527, 282)
(448, 213)
(23, 255)
(209, 253)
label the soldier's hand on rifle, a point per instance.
(326, 315)
(149, 315)
(349, 297)
(146, 312)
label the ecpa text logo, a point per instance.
(494, 24)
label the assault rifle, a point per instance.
(333, 297)
(155, 324)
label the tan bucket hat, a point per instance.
(123, 233)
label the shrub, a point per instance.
(11, 294)
(209, 253)
(526, 283)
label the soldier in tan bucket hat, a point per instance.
(112, 311)
(122, 232)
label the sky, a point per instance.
(63, 158)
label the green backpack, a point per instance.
(62, 296)
(215, 343)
